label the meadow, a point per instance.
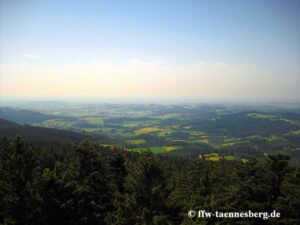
(234, 131)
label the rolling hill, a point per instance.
(23, 116)
(10, 129)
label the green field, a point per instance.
(195, 128)
(156, 149)
(136, 141)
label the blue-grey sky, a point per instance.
(206, 49)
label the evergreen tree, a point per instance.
(19, 190)
(94, 193)
(146, 194)
(288, 203)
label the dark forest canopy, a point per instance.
(89, 184)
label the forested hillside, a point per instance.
(231, 130)
(41, 134)
(23, 116)
(88, 184)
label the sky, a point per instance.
(206, 50)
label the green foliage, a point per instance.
(83, 184)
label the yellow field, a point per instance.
(147, 130)
(216, 157)
(170, 148)
(136, 141)
(195, 133)
(230, 144)
(204, 140)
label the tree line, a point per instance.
(88, 184)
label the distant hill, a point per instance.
(250, 123)
(23, 116)
(31, 133)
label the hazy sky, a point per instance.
(243, 50)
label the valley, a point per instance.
(234, 131)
